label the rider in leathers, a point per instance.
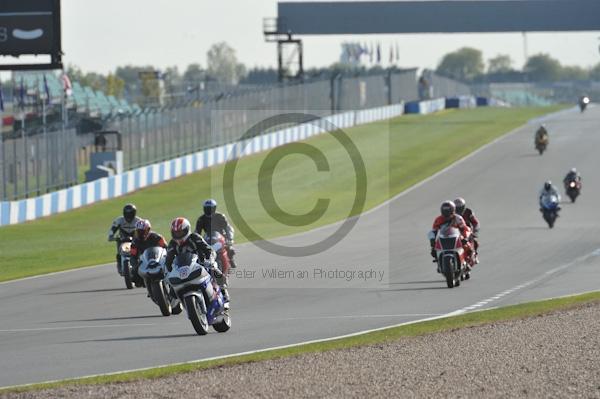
(449, 217)
(144, 238)
(548, 189)
(183, 240)
(211, 221)
(541, 135)
(573, 175)
(471, 221)
(125, 227)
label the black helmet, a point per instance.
(210, 207)
(547, 185)
(129, 212)
(448, 208)
(460, 205)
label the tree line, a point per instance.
(142, 80)
(467, 64)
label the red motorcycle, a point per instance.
(219, 245)
(452, 256)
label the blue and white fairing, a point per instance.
(188, 277)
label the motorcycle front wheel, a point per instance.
(448, 269)
(160, 297)
(127, 274)
(224, 324)
(196, 315)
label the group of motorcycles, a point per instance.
(550, 203)
(541, 142)
(452, 257)
(189, 285)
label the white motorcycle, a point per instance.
(200, 294)
(152, 270)
(126, 268)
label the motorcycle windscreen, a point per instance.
(549, 201)
(449, 232)
(185, 259)
(447, 237)
(153, 253)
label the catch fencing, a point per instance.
(539, 93)
(13, 212)
(35, 163)
(162, 134)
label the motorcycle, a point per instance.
(219, 245)
(573, 189)
(583, 103)
(451, 256)
(201, 296)
(152, 270)
(126, 268)
(541, 144)
(550, 209)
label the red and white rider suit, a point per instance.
(473, 223)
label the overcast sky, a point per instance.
(100, 35)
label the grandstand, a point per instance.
(84, 100)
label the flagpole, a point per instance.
(22, 98)
(3, 196)
(2, 154)
(45, 140)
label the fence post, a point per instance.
(15, 172)
(2, 163)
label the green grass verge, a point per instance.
(529, 309)
(397, 154)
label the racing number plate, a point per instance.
(184, 272)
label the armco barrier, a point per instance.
(461, 102)
(110, 187)
(425, 107)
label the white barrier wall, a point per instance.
(14, 212)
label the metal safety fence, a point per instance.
(161, 134)
(35, 163)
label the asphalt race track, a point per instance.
(85, 322)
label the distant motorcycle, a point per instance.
(219, 245)
(541, 144)
(550, 208)
(152, 270)
(583, 103)
(573, 189)
(451, 256)
(200, 294)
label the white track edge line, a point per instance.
(207, 359)
(76, 269)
